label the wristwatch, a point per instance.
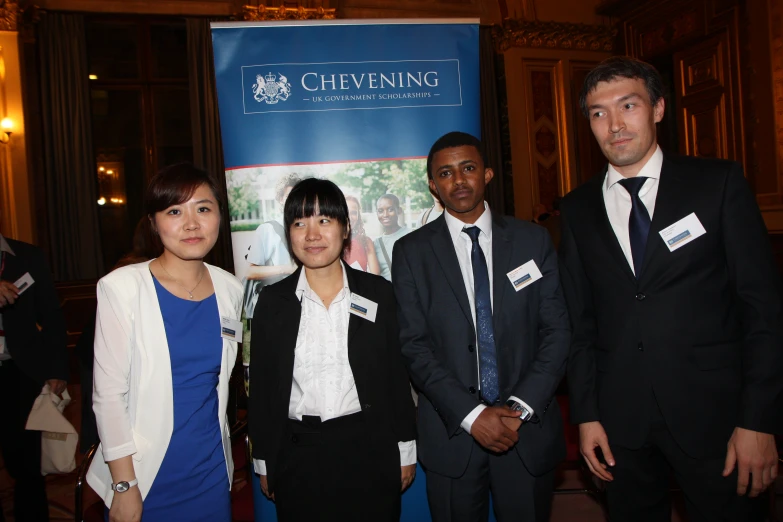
(122, 487)
(514, 405)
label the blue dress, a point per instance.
(192, 483)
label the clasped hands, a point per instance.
(496, 428)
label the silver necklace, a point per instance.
(190, 292)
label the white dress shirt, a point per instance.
(5, 250)
(323, 384)
(463, 245)
(618, 200)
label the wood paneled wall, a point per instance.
(727, 62)
(552, 147)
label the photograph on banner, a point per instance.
(386, 200)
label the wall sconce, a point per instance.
(6, 124)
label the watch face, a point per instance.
(121, 487)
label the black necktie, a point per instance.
(638, 222)
(488, 366)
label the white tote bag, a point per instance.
(58, 436)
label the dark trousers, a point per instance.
(640, 491)
(21, 448)
(333, 471)
(516, 494)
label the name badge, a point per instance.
(524, 275)
(363, 307)
(24, 282)
(682, 232)
(231, 329)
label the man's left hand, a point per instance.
(57, 386)
(754, 453)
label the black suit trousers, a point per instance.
(641, 489)
(21, 448)
(516, 494)
(334, 471)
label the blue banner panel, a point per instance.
(332, 92)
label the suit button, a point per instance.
(640, 297)
(367, 406)
(472, 389)
(470, 348)
(294, 439)
(640, 346)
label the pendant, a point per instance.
(191, 295)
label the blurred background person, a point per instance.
(389, 211)
(32, 353)
(361, 252)
(268, 254)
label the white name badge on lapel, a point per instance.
(682, 232)
(231, 329)
(24, 282)
(524, 275)
(363, 307)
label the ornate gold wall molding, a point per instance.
(553, 35)
(260, 13)
(9, 13)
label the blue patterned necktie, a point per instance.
(638, 222)
(488, 366)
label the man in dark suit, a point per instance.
(677, 353)
(485, 335)
(32, 352)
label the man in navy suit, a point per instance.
(485, 334)
(675, 301)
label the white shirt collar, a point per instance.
(484, 222)
(303, 286)
(651, 169)
(5, 247)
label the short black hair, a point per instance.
(622, 67)
(455, 139)
(311, 195)
(391, 197)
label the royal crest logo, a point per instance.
(271, 90)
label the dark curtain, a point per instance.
(490, 122)
(207, 145)
(69, 163)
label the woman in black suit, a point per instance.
(331, 415)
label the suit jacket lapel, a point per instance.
(447, 257)
(668, 205)
(288, 312)
(597, 207)
(501, 258)
(354, 322)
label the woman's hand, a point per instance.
(408, 474)
(265, 487)
(127, 506)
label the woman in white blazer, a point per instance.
(163, 356)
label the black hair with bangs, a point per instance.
(311, 195)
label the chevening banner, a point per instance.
(356, 102)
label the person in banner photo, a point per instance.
(331, 415)
(268, 254)
(485, 335)
(165, 345)
(389, 210)
(677, 355)
(361, 252)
